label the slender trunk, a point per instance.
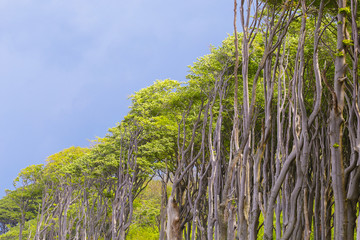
(358, 224)
(22, 222)
(163, 209)
(336, 130)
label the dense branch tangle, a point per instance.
(290, 167)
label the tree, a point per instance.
(27, 194)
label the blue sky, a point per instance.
(68, 67)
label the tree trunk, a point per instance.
(22, 223)
(336, 131)
(163, 210)
(173, 222)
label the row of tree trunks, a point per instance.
(263, 150)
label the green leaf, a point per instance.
(348, 42)
(345, 10)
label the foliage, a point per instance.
(13, 233)
(146, 213)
